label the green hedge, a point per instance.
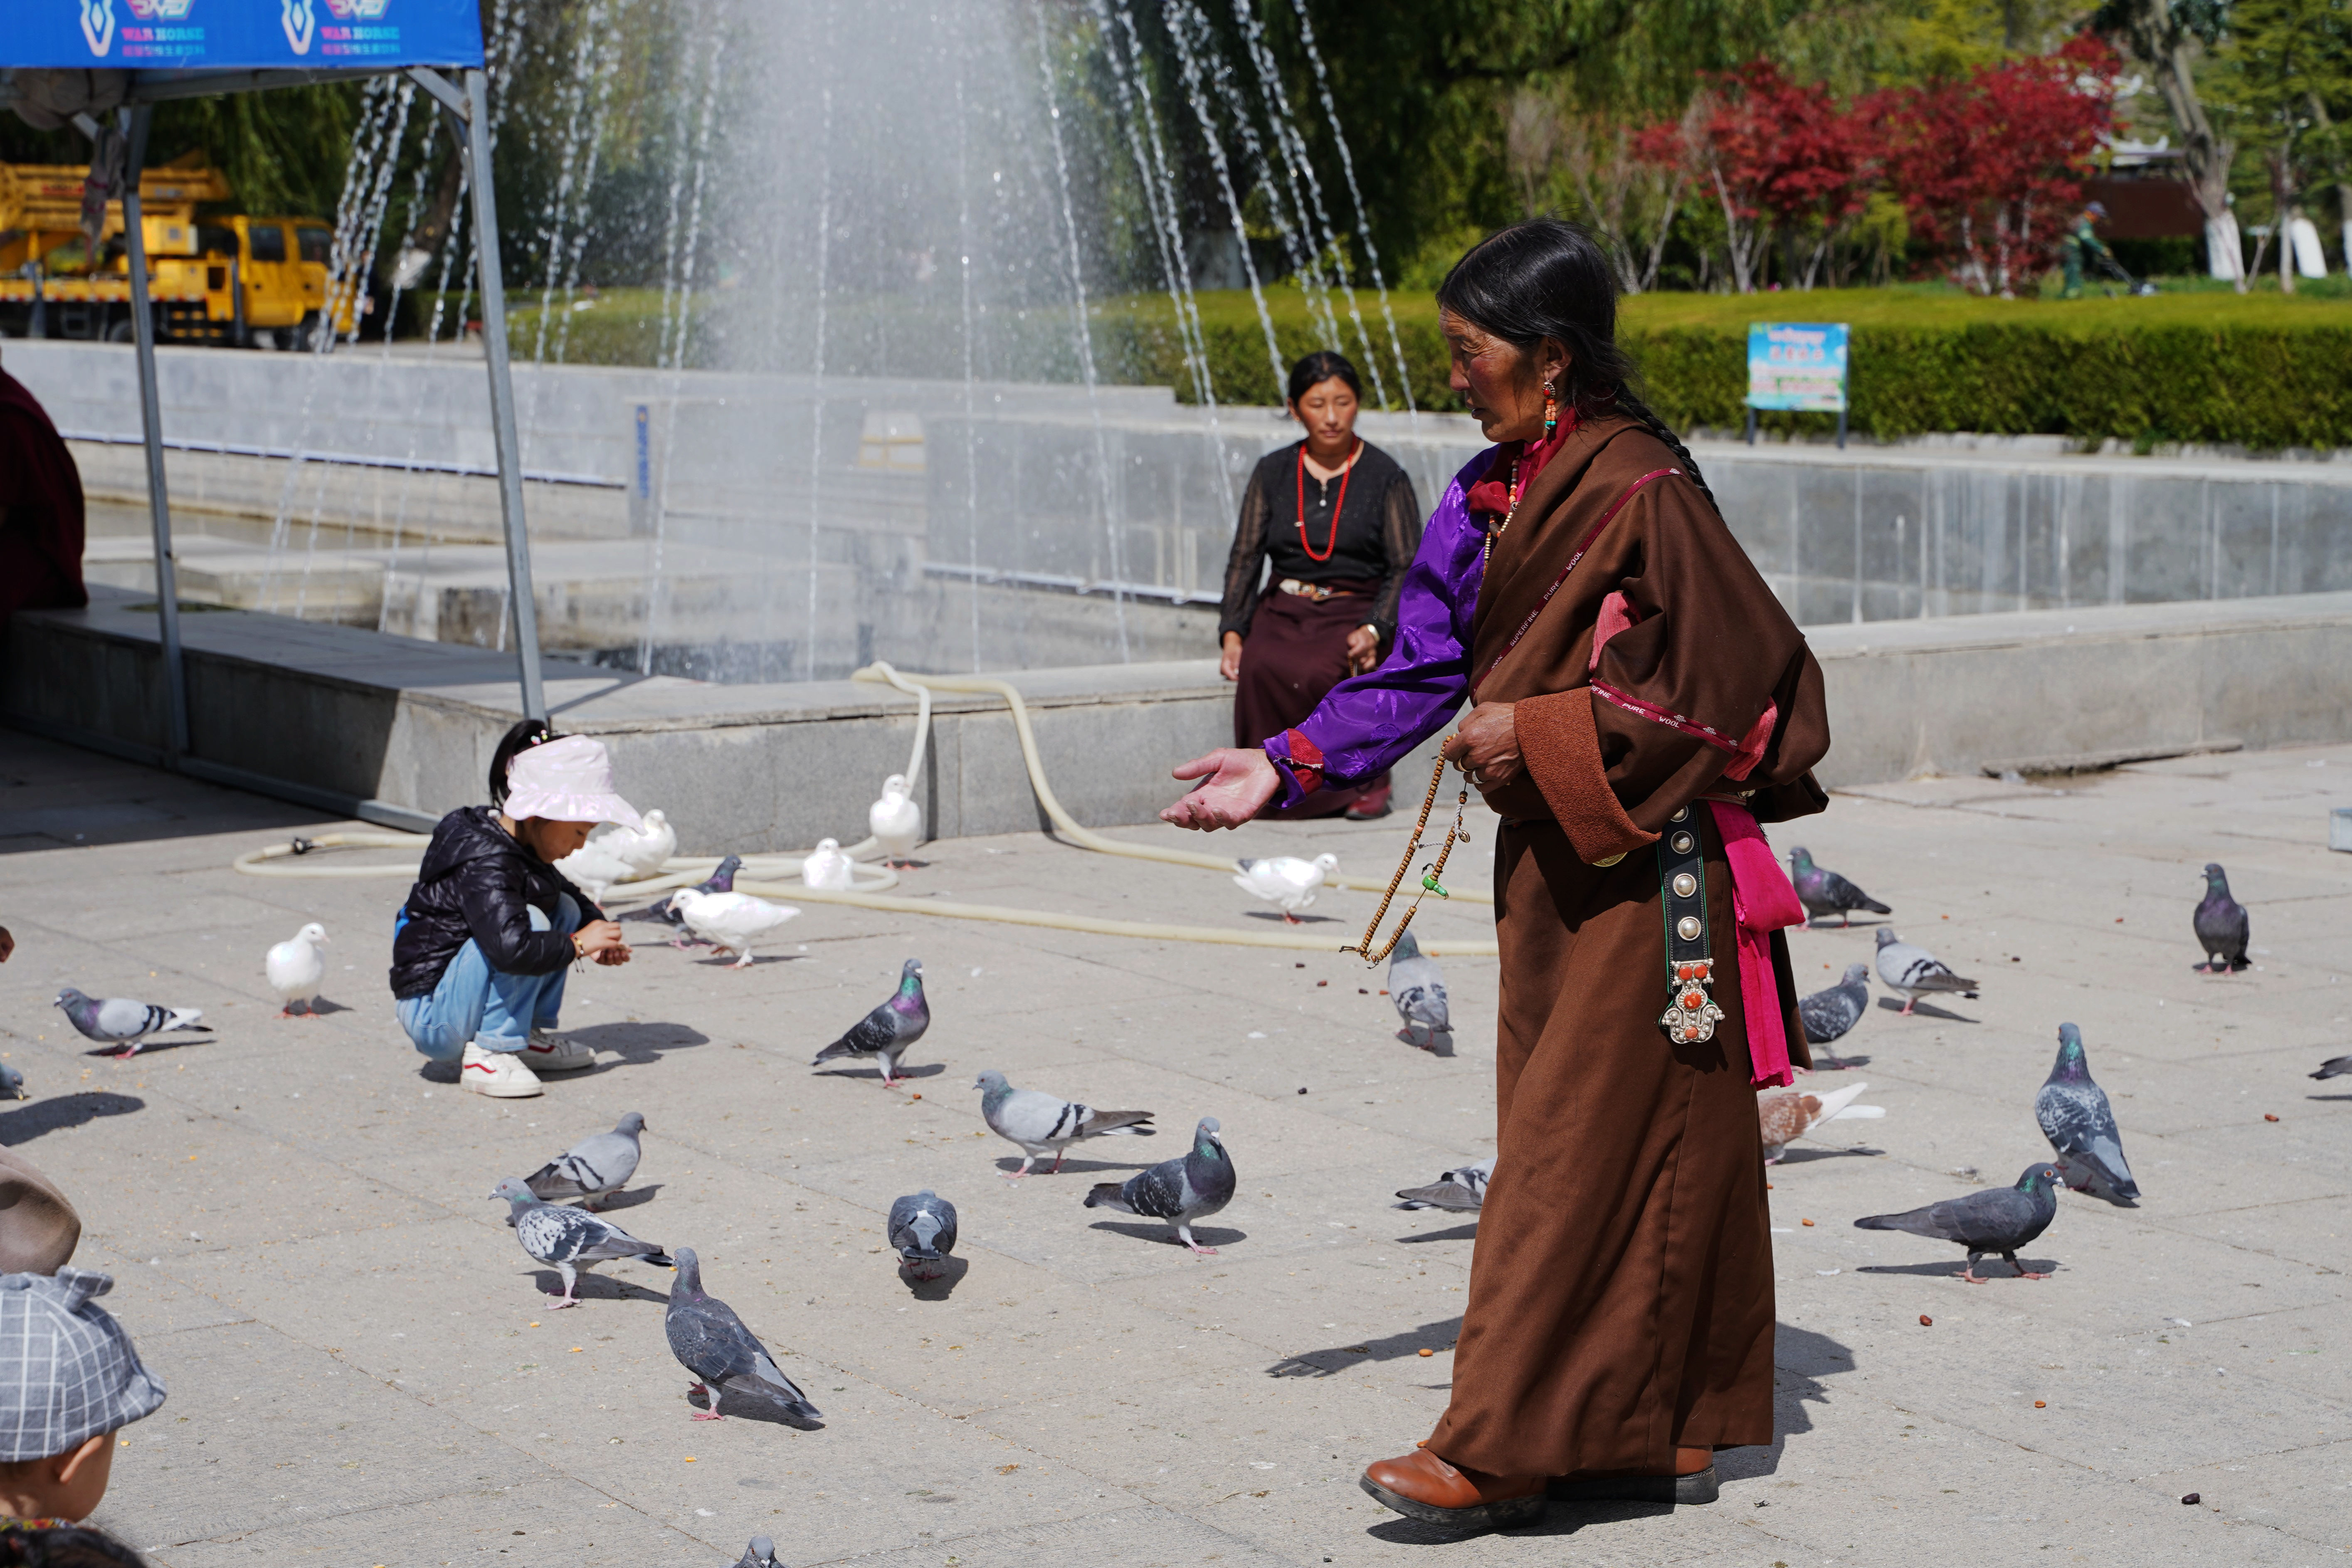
(2264, 384)
(2257, 371)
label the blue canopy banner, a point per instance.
(1796, 364)
(238, 34)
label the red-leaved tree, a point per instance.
(1782, 156)
(1990, 166)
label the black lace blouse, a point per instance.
(1378, 532)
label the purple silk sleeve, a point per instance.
(1368, 723)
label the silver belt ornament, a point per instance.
(1691, 1017)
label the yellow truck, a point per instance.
(259, 282)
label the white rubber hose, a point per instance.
(753, 878)
(1068, 825)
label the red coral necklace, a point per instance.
(1346, 470)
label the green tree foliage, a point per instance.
(283, 152)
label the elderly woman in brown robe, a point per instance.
(1639, 703)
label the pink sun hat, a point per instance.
(570, 780)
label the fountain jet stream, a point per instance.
(1356, 196)
(1084, 332)
(1178, 15)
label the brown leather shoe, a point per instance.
(1421, 1486)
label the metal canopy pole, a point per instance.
(472, 110)
(159, 505)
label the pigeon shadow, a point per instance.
(1823, 922)
(2327, 1097)
(933, 1070)
(749, 1409)
(1303, 919)
(636, 1044)
(1007, 1165)
(940, 1288)
(728, 961)
(148, 1047)
(1995, 1269)
(593, 1288)
(319, 1008)
(1440, 1042)
(1824, 1062)
(627, 1198)
(1452, 1233)
(1924, 1010)
(30, 1121)
(1436, 1336)
(1159, 1230)
(1807, 1156)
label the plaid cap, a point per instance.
(67, 1371)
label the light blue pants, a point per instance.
(477, 1002)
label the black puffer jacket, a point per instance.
(477, 882)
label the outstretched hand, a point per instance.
(1236, 784)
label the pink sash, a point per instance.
(1762, 902)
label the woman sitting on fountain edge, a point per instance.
(1339, 521)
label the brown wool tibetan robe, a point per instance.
(1621, 1293)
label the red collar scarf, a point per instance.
(1492, 492)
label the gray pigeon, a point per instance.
(1824, 892)
(1178, 1191)
(1417, 988)
(12, 1083)
(1042, 1124)
(2222, 925)
(1996, 1219)
(116, 1022)
(1829, 1015)
(1912, 972)
(710, 1341)
(2334, 1067)
(1461, 1189)
(569, 1240)
(594, 1167)
(760, 1554)
(888, 1030)
(721, 880)
(2081, 1126)
(923, 1229)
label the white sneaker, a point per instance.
(502, 1075)
(551, 1052)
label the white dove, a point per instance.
(644, 850)
(595, 865)
(296, 967)
(827, 868)
(1285, 880)
(730, 921)
(895, 820)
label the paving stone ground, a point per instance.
(365, 1370)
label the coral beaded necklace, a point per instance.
(1346, 470)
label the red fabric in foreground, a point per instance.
(40, 509)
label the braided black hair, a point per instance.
(525, 734)
(1549, 278)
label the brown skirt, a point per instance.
(1297, 650)
(1621, 1290)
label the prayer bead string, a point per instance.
(1429, 879)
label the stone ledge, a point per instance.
(409, 726)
